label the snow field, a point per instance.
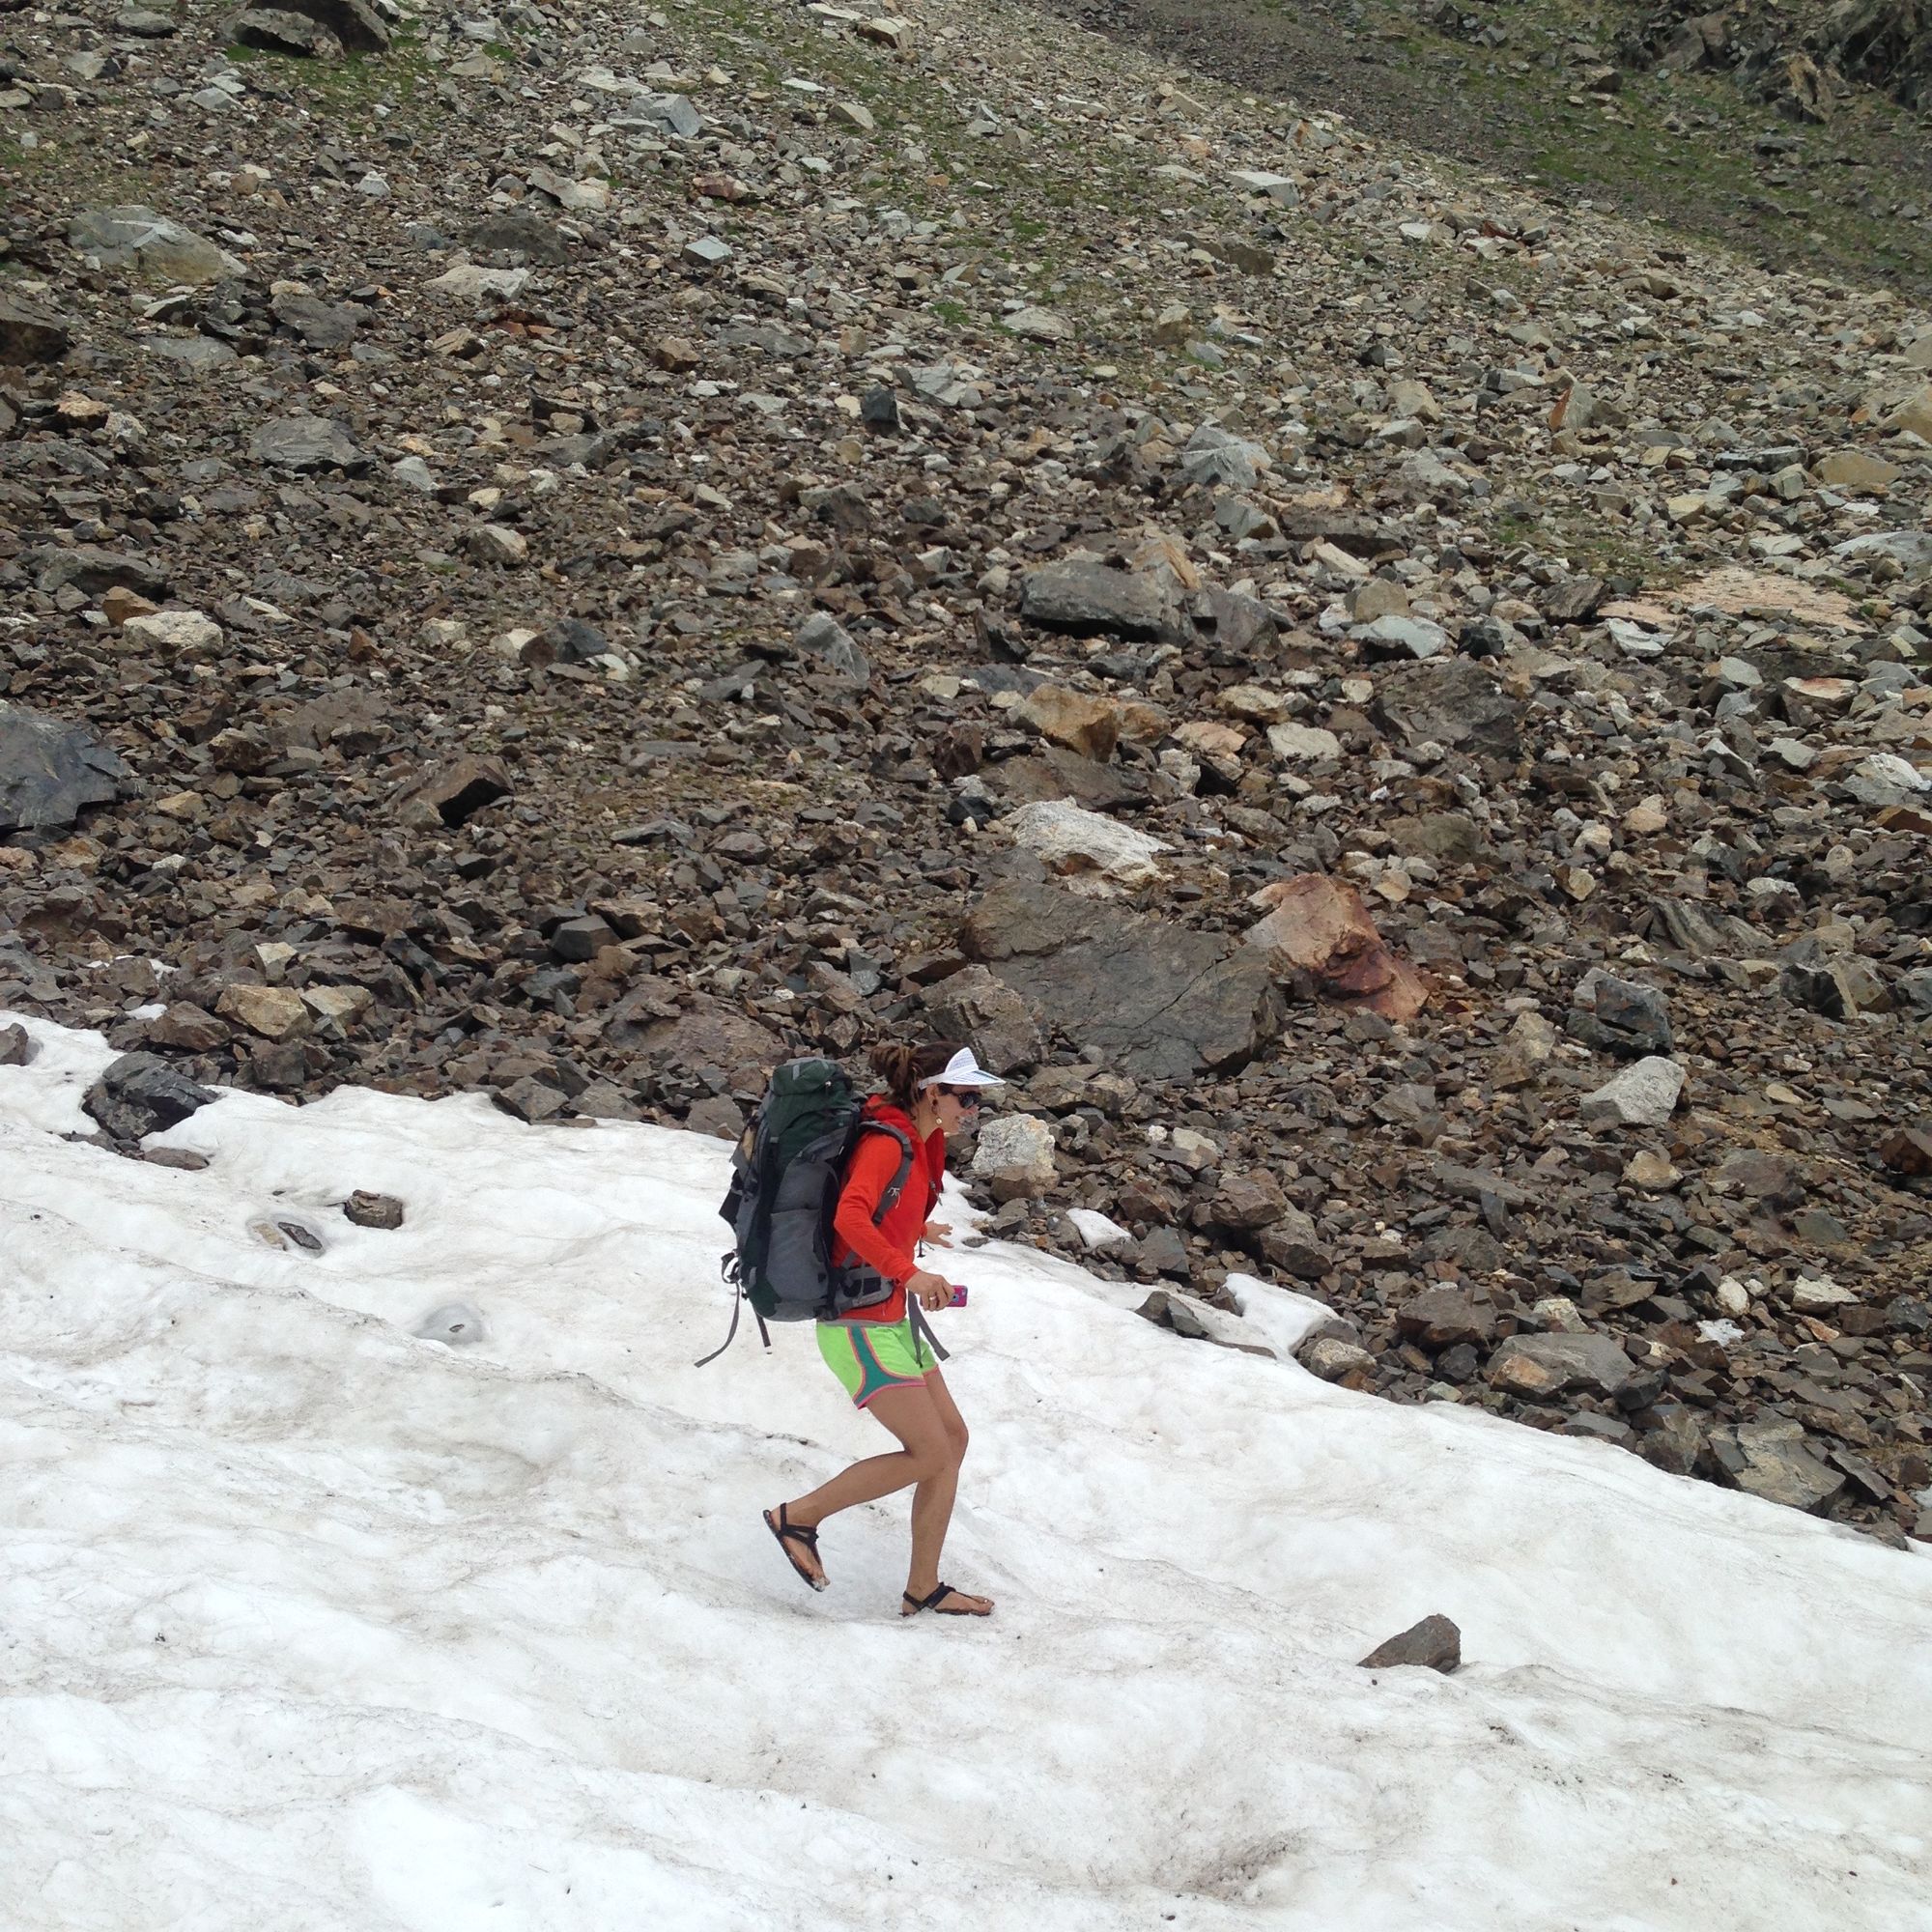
(305, 1623)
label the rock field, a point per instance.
(578, 552)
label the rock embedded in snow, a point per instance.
(1645, 1095)
(17, 1046)
(373, 1211)
(457, 1325)
(1098, 1233)
(141, 1094)
(1069, 839)
(1435, 1643)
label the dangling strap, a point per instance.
(738, 1299)
(923, 1329)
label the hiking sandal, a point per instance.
(788, 1533)
(935, 1602)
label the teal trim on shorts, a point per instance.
(869, 1357)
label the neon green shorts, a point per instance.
(867, 1357)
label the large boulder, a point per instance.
(1449, 701)
(29, 333)
(1543, 1367)
(1070, 839)
(140, 1094)
(972, 1004)
(50, 770)
(1014, 1156)
(144, 240)
(1770, 1460)
(1091, 597)
(1160, 1001)
(1622, 1016)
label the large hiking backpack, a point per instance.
(785, 1180)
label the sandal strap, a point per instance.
(808, 1537)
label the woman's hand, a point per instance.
(935, 1231)
(932, 1291)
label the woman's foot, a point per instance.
(946, 1602)
(800, 1543)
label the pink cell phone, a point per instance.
(958, 1298)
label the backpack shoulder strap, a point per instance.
(888, 1198)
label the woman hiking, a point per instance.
(884, 1364)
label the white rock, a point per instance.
(1818, 1294)
(1014, 1156)
(1096, 1232)
(1885, 779)
(471, 279)
(174, 631)
(1297, 744)
(1072, 839)
(1643, 1094)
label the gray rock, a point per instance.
(373, 1211)
(1219, 458)
(30, 334)
(717, 1116)
(141, 239)
(51, 771)
(17, 1046)
(1619, 1015)
(825, 638)
(1449, 701)
(1645, 1095)
(1090, 597)
(973, 1005)
(1774, 1179)
(140, 1094)
(278, 30)
(320, 324)
(1400, 638)
(89, 568)
(454, 792)
(356, 23)
(197, 354)
(1161, 1001)
(1539, 1368)
(1442, 1318)
(306, 444)
(530, 1099)
(1162, 1250)
(143, 25)
(1433, 1644)
(1770, 1460)
(521, 235)
(660, 114)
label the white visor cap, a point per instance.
(963, 1070)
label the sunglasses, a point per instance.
(967, 1096)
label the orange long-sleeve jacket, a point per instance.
(892, 1246)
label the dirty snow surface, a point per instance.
(306, 1623)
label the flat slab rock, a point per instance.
(1435, 1643)
(1162, 1001)
(50, 770)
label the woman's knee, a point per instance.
(956, 1439)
